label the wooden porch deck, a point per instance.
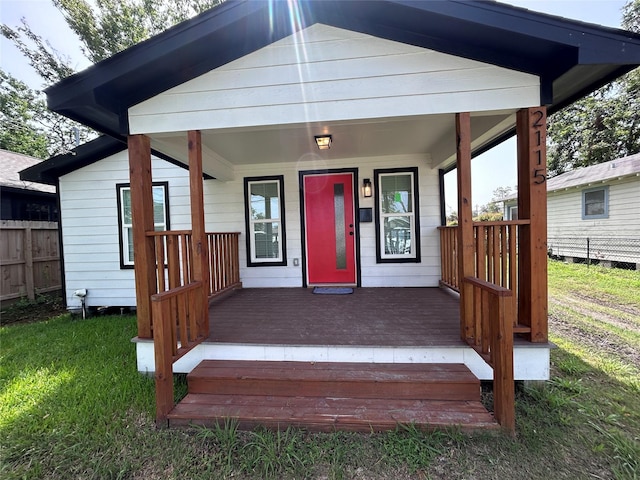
(399, 317)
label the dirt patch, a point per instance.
(622, 316)
(44, 307)
(602, 341)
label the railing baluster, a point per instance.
(481, 252)
(495, 268)
(504, 257)
(159, 246)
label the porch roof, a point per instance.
(571, 58)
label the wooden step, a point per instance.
(347, 380)
(325, 396)
(329, 414)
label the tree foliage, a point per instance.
(104, 28)
(27, 126)
(603, 126)
(107, 27)
(19, 111)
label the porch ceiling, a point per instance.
(432, 136)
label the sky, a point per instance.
(494, 169)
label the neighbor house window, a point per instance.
(397, 215)
(160, 217)
(264, 219)
(513, 213)
(595, 203)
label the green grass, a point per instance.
(72, 405)
(606, 284)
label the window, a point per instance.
(595, 203)
(264, 219)
(160, 217)
(397, 215)
(513, 213)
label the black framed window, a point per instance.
(397, 215)
(160, 217)
(264, 221)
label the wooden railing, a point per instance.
(224, 263)
(177, 308)
(176, 314)
(449, 257)
(495, 303)
(496, 258)
(173, 250)
(174, 253)
(493, 341)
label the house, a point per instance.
(592, 213)
(316, 135)
(21, 199)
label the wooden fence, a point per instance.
(29, 259)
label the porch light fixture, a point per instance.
(366, 188)
(323, 141)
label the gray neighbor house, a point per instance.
(593, 214)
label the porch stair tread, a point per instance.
(328, 396)
(329, 414)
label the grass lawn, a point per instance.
(72, 405)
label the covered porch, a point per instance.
(498, 271)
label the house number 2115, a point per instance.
(539, 175)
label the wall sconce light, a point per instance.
(323, 141)
(366, 188)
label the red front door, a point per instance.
(330, 232)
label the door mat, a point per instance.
(332, 290)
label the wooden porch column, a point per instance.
(531, 128)
(465, 222)
(142, 220)
(198, 234)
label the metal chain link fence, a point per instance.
(607, 251)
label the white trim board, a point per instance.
(531, 362)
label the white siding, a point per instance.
(614, 238)
(565, 212)
(90, 225)
(224, 211)
(89, 219)
(328, 74)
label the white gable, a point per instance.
(327, 74)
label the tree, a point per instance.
(603, 126)
(27, 126)
(104, 27)
(20, 107)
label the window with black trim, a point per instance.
(595, 203)
(264, 220)
(397, 215)
(160, 217)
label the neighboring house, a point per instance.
(22, 199)
(316, 136)
(593, 213)
(29, 243)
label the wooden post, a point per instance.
(142, 219)
(531, 127)
(162, 349)
(198, 234)
(502, 353)
(465, 223)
